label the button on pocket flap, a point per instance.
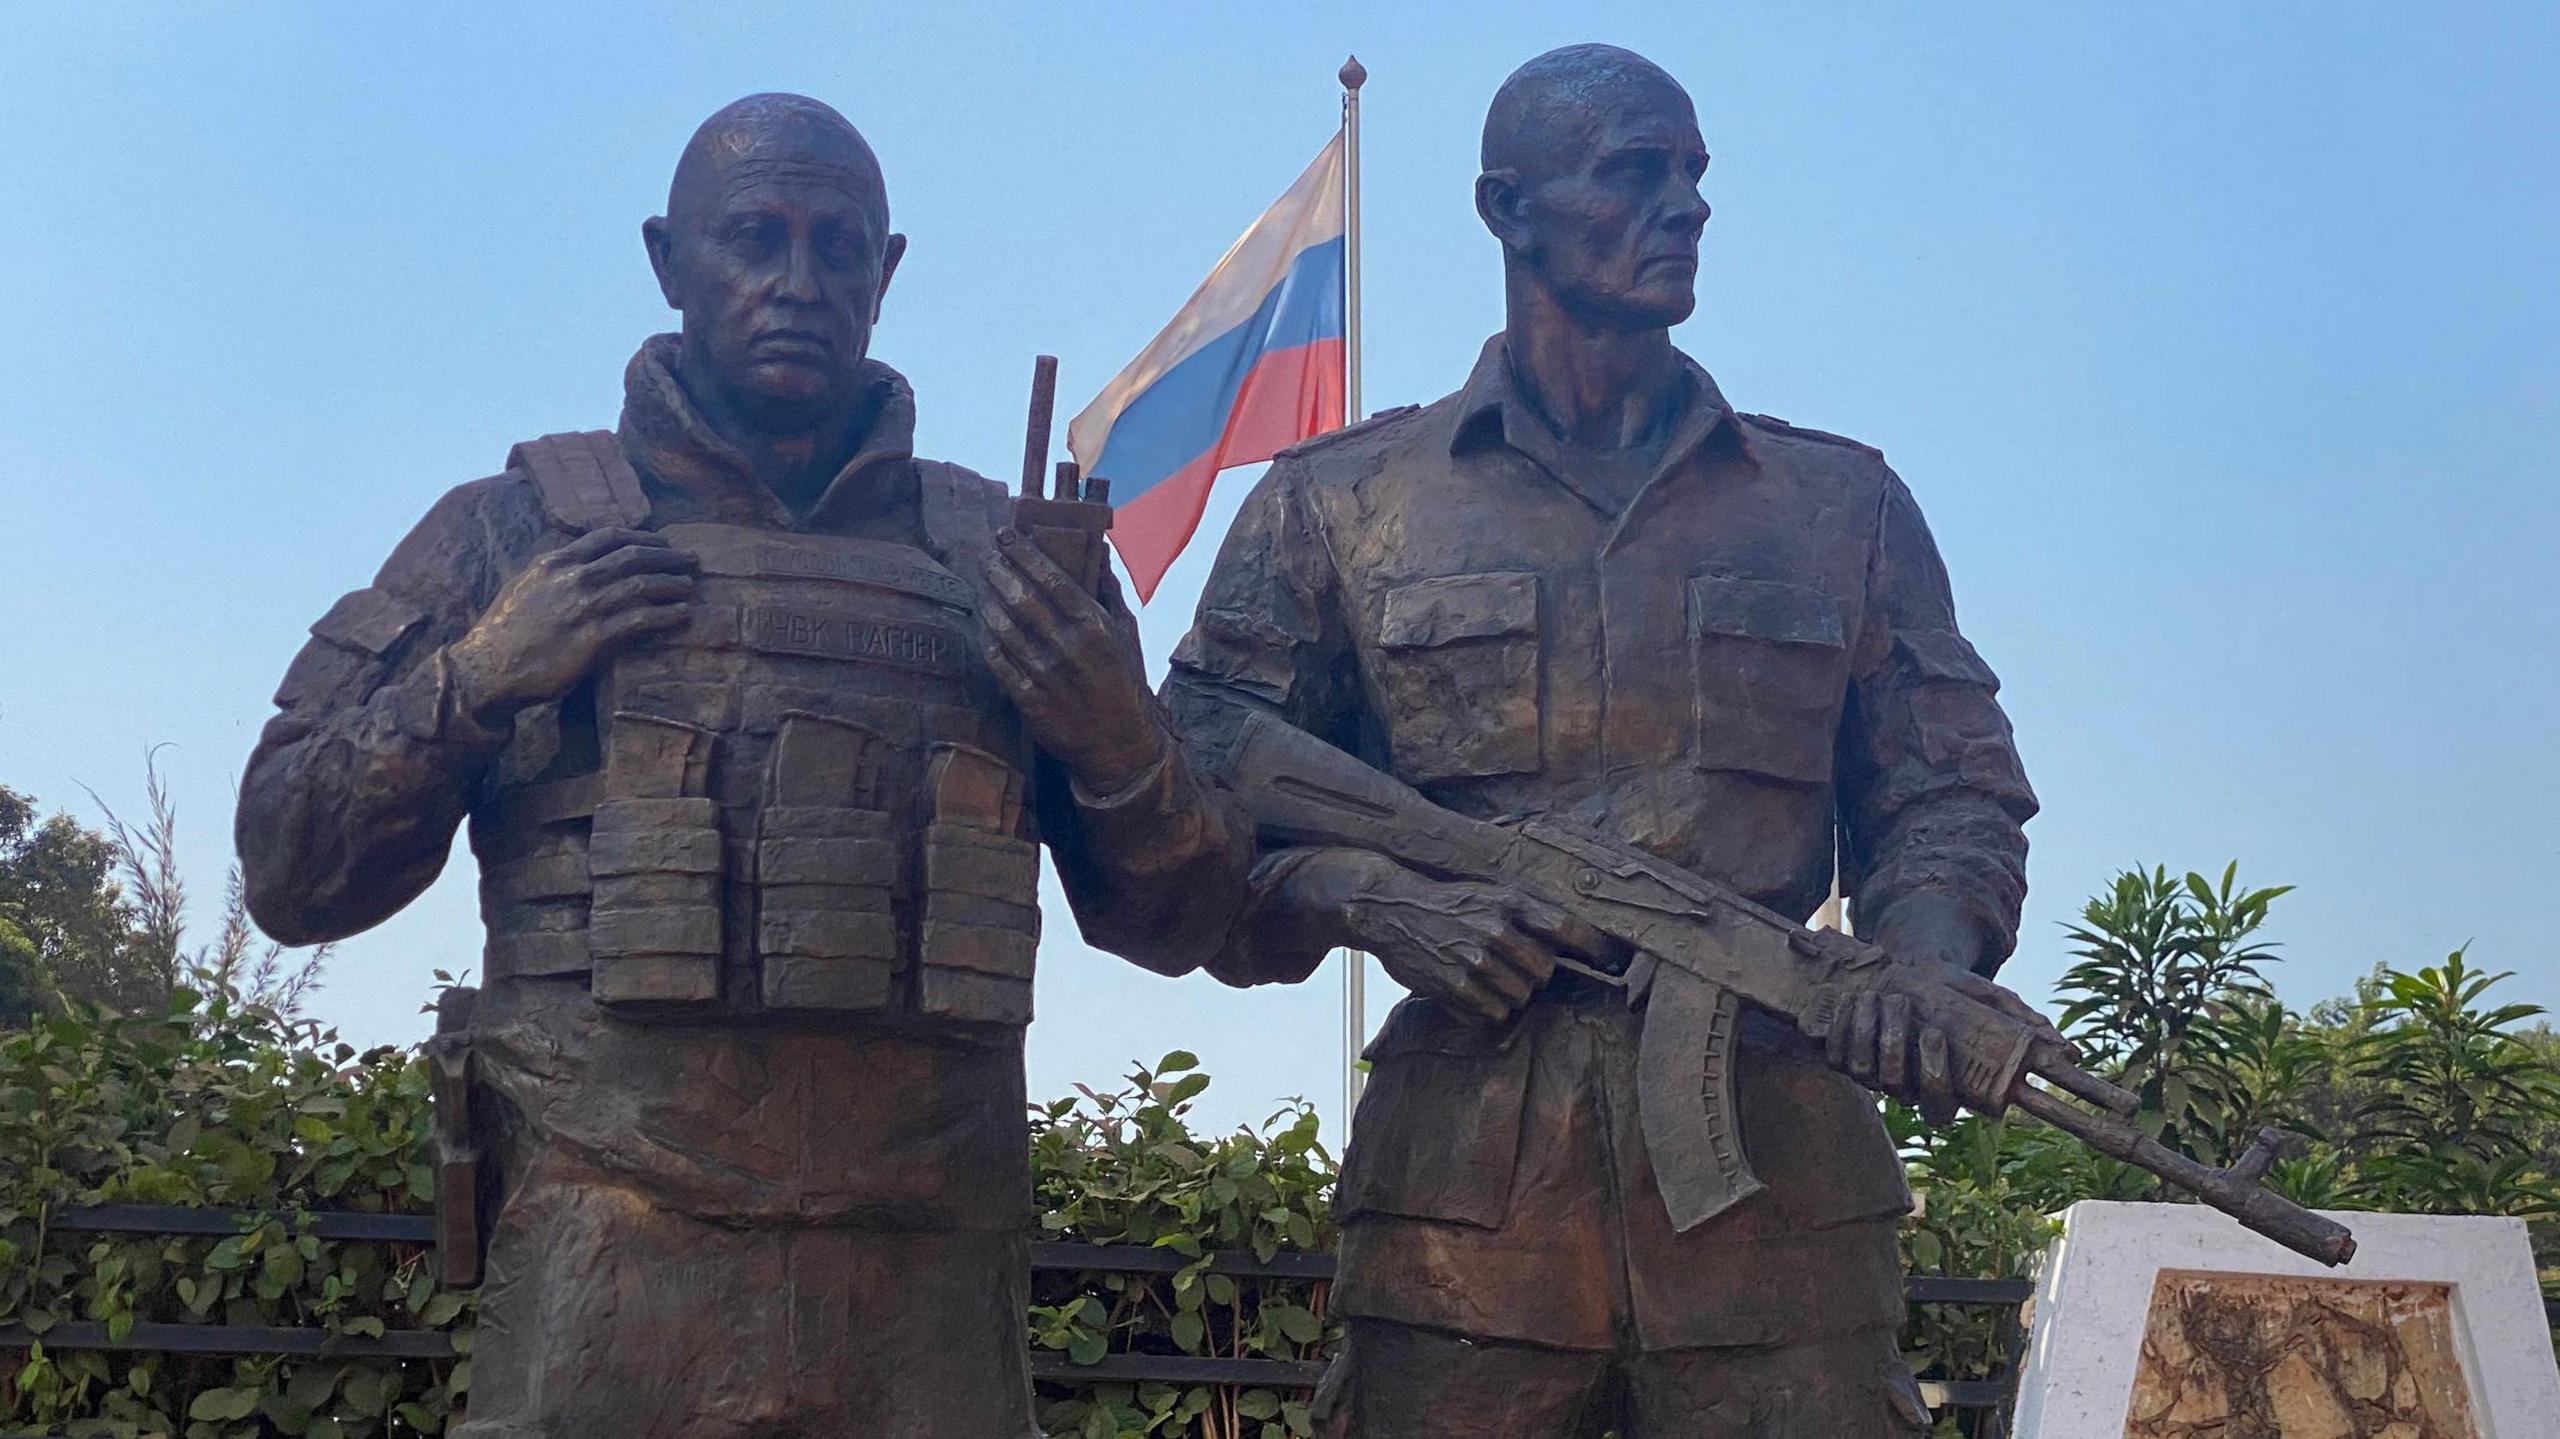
(1459, 607)
(1945, 655)
(1763, 610)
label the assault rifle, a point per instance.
(1700, 953)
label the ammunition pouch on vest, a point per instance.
(809, 800)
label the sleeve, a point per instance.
(1933, 801)
(1269, 638)
(1143, 866)
(350, 801)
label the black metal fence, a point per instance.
(1048, 1365)
(230, 1339)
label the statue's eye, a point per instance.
(1634, 167)
(754, 233)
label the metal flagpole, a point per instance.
(1355, 965)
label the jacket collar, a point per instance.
(1492, 411)
(668, 440)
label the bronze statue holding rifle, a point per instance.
(756, 718)
(1561, 696)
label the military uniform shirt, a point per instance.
(1751, 661)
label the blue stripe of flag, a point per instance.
(1175, 420)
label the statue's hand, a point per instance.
(1070, 663)
(1480, 948)
(564, 613)
(1888, 1040)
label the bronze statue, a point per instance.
(1584, 589)
(756, 718)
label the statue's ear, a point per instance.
(1500, 204)
(890, 254)
(661, 244)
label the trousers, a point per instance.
(1400, 1381)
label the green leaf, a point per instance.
(311, 1386)
(217, 1405)
(1301, 1326)
(365, 1391)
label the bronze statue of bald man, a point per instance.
(756, 719)
(1584, 586)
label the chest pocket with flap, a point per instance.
(1769, 663)
(1458, 676)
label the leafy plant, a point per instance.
(2162, 961)
(216, 1106)
(101, 917)
(2459, 1098)
(1127, 1168)
(2419, 1091)
(64, 927)
(234, 965)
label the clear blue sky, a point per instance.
(2221, 344)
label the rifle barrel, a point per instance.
(2311, 1235)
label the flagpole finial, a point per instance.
(1354, 74)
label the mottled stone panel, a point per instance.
(2252, 1356)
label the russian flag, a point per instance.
(1252, 364)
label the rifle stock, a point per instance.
(1701, 952)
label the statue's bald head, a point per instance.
(1592, 160)
(776, 134)
(1548, 107)
(776, 247)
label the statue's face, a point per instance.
(779, 269)
(1611, 212)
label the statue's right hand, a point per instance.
(1480, 948)
(565, 612)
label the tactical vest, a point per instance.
(809, 801)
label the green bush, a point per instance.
(210, 1106)
(1127, 1168)
(2418, 1092)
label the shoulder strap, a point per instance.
(1356, 427)
(1807, 432)
(961, 510)
(584, 481)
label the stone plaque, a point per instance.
(2167, 1321)
(2255, 1356)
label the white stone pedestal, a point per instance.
(2093, 1311)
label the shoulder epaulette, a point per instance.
(583, 479)
(1361, 427)
(1772, 422)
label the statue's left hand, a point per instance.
(1882, 1039)
(1070, 663)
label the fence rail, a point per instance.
(1046, 1257)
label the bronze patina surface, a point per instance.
(757, 720)
(1584, 587)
